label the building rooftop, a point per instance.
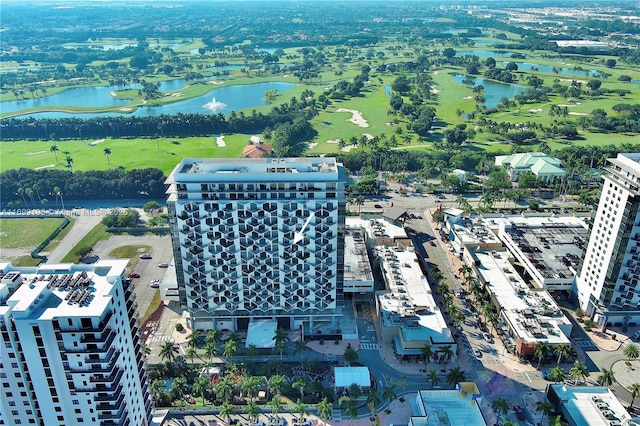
(63, 290)
(455, 407)
(356, 259)
(409, 303)
(550, 248)
(590, 405)
(376, 228)
(268, 169)
(532, 314)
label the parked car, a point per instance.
(134, 275)
(377, 206)
(146, 256)
(155, 284)
(163, 265)
(519, 412)
(487, 337)
(636, 336)
(477, 353)
(432, 243)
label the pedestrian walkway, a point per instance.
(370, 346)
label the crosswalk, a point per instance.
(371, 346)
(154, 338)
(583, 343)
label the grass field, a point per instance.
(96, 234)
(26, 233)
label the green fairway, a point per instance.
(26, 232)
(162, 153)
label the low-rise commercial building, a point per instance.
(459, 406)
(588, 405)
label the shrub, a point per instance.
(179, 327)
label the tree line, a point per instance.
(178, 125)
(30, 188)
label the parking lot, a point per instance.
(148, 269)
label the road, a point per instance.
(85, 221)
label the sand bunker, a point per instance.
(220, 142)
(356, 117)
(34, 153)
(313, 145)
(535, 110)
(368, 135)
(436, 72)
(48, 166)
(433, 89)
(125, 109)
(215, 82)
(573, 79)
(578, 113)
(333, 141)
(96, 142)
(176, 95)
(468, 97)
(348, 148)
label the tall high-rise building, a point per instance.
(259, 239)
(70, 351)
(607, 284)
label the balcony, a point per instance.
(115, 405)
(117, 416)
(111, 356)
(105, 335)
(112, 378)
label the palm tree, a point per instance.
(433, 378)
(213, 336)
(508, 422)
(300, 346)
(358, 201)
(631, 351)
(500, 406)
(281, 335)
(562, 350)
(252, 350)
(579, 372)
(193, 339)
(389, 393)
(69, 161)
(354, 391)
(607, 378)
(107, 152)
(300, 408)
(301, 383)
(427, 353)
(178, 387)
(201, 386)
(224, 388)
(276, 405)
(635, 391)
(350, 355)
(54, 148)
(557, 375)
(191, 354)
(252, 410)
(350, 408)
(455, 376)
(447, 352)
(540, 351)
(546, 407)
(275, 383)
(226, 411)
(324, 408)
(169, 351)
(210, 350)
(230, 348)
(251, 386)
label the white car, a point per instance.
(155, 284)
(163, 265)
(477, 353)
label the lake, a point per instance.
(527, 66)
(222, 100)
(486, 53)
(494, 91)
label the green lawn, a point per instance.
(26, 232)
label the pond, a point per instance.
(494, 91)
(487, 53)
(528, 66)
(222, 100)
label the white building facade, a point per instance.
(70, 350)
(607, 284)
(258, 238)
